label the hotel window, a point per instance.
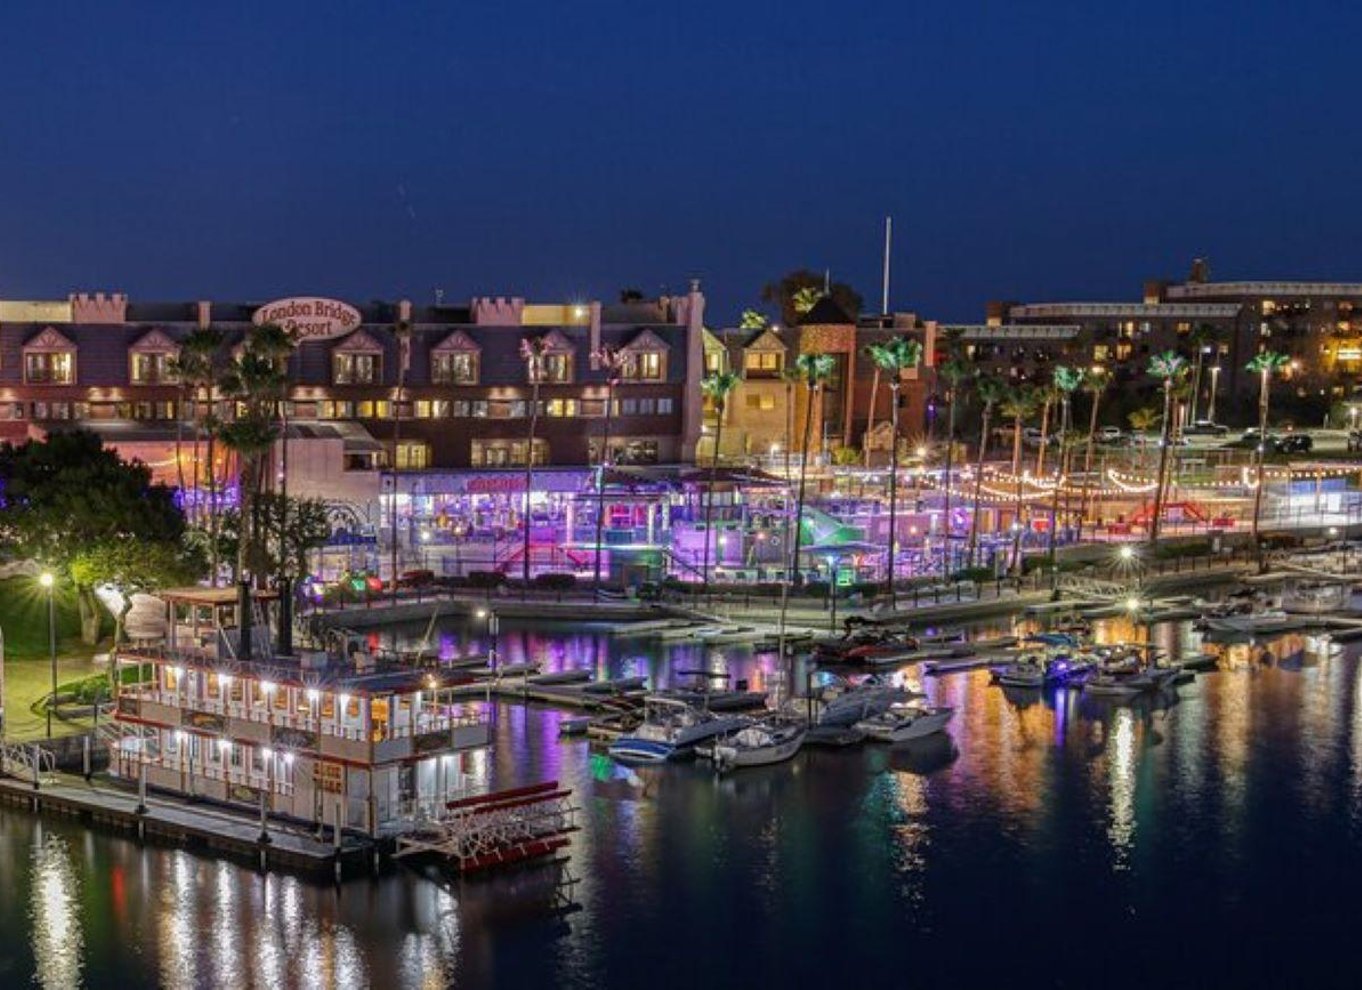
(50, 368)
(152, 368)
(560, 408)
(329, 409)
(763, 364)
(664, 407)
(355, 369)
(148, 410)
(628, 407)
(506, 453)
(413, 456)
(1184, 328)
(380, 409)
(556, 368)
(765, 403)
(714, 362)
(431, 408)
(1269, 307)
(591, 408)
(454, 369)
(646, 366)
(465, 408)
(1101, 352)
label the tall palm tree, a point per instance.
(954, 371)
(1067, 381)
(815, 370)
(612, 361)
(256, 382)
(1143, 420)
(1095, 382)
(894, 357)
(991, 392)
(533, 351)
(196, 369)
(1170, 366)
(1018, 404)
(717, 388)
(1046, 395)
(791, 377)
(402, 333)
(1204, 337)
(1265, 364)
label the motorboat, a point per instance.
(671, 728)
(703, 694)
(869, 647)
(760, 744)
(842, 702)
(575, 725)
(1030, 670)
(1263, 620)
(901, 723)
(1316, 597)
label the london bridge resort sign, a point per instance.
(309, 317)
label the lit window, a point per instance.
(49, 368)
(454, 369)
(355, 369)
(151, 368)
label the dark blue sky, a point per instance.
(374, 150)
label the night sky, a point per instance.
(377, 150)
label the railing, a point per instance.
(18, 761)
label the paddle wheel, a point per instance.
(498, 829)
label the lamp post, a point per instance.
(46, 580)
(1210, 402)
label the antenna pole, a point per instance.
(888, 235)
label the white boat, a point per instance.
(1316, 597)
(760, 744)
(671, 727)
(844, 703)
(1261, 621)
(1030, 670)
(903, 722)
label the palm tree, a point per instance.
(533, 350)
(991, 392)
(1265, 364)
(791, 377)
(717, 388)
(1018, 403)
(954, 371)
(402, 332)
(815, 369)
(753, 320)
(1143, 420)
(1169, 366)
(1095, 382)
(196, 369)
(1046, 395)
(894, 356)
(1204, 337)
(256, 382)
(613, 361)
(1067, 381)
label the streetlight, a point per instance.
(1210, 405)
(46, 580)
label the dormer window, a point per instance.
(555, 365)
(358, 360)
(763, 364)
(49, 359)
(646, 358)
(456, 360)
(151, 360)
(557, 368)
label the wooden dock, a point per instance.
(194, 825)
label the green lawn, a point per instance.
(23, 619)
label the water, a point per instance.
(1048, 841)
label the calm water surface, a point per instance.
(1211, 839)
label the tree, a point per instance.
(1265, 364)
(291, 528)
(1018, 405)
(533, 351)
(196, 369)
(716, 388)
(1095, 382)
(76, 507)
(991, 392)
(1143, 420)
(1204, 338)
(256, 382)
(1170, 366)
(954, 371)
(785, 292)
(894, 357)
(612, 361)
(753, 320)
(1046, 395)
(790, 377)
(401, 332)
(1067, 381)
(815, 370)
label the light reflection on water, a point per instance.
(1038, 809)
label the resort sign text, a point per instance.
(309, 317)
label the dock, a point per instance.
(191, 825)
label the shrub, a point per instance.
(486, 579)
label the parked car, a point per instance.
(1293, 443)
(1354, 441)
(1031, 437)
(1110, 434)
(1205, 428)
